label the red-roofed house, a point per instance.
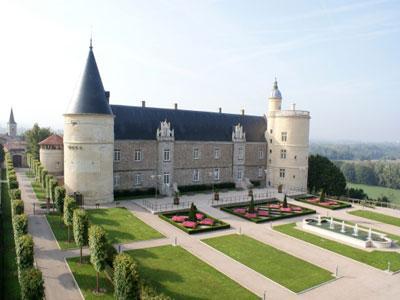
(52, 154)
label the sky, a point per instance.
(338, 59)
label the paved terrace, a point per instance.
(358, 281)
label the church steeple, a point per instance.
(90, 96)
(12, 125)
(11, 120)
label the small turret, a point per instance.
(275, 99)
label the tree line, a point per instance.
(380, 173)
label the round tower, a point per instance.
(51, 154)
(89, 139)
(288, 145)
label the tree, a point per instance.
(33, 137)
(98, 250)
(1, 153)
(81, 228)
(59, 200)
(126, 278)
(322, 196)
(32, 284)
(192, 212)
(251, 205)
(323, 174)
(69, 206)
(24, 249)
(285, 205)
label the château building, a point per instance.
(111, 147)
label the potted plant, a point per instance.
(176, 198)
(216, 195)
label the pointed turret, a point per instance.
(275, 99)
(90, 97)
(276, 93)
(11, 120)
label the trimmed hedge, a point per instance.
(15, 194)
(126, 278)
(340, 205)
(134, 192)
(20, 225)
(17, 207)
(24, 250)
(32, 284)
(166, 217)
(206, 187)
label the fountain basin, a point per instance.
(352, 234)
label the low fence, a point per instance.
(371, 203)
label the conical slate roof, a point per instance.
(11, 120)
(276, 93)
(90, 97)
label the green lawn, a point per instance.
(121, 227)
(39, 191)
(376, 259)
(375, 192)
(180, 275)
(285, 269)
(376, 217)
(9, 287)
(170, 270)
(85, 276)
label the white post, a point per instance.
(337, 271)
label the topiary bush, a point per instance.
(69, 206)
(192, 212)
(285, 205)
(17, 207)
(147, 292)
(15, 194)
(98, 250)
(81, 228)
(126, 278)
(24, 249)
(20, 224)
(59, 194)
(32, 284)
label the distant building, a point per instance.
(116, 147)
(51, 154)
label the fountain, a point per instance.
(351, 234)
(355, 230)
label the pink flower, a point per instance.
(189, 224)
(250, 215)
(179, 219)
(207, 221)
(288, 209)
(274, 206)
(199, 216)
(239, 210)
(296, 208)
(263, 213)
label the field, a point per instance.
(374, 192)
(277, 265)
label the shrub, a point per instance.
(134, 192)
(81, 228)
(20, 223)
(285, 202)
(24, 248)
(126, 277)
(98, 250)
(204, 187)
(147, 292)
(59, 193)
(192, 212)
(13, 183)
(15, 194)
(111, 252)
(322, 196)
(32, 284)
(69, 206)
(251, 205)
(17, 207)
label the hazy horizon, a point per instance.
(337, 59)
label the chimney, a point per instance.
(143, 103)
(107, 93)
(294, 106)
(176, 105)
(242, 110)
(220, 110)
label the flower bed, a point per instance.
(203, 222)
(328, 203)
(267, 211)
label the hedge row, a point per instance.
(30, 278)
(46, 180)
(206, 187)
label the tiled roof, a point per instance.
(54, 139)
(141, 123)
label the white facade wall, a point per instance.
(52, 160)
(88, 156)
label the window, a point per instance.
(117, 155)
(270, 151)
(196, 175)
(216, 174)
(241, 153)
(167, 155)
(270, 131)
(295, 157)
(282, 173)
(116, 180)
(166, 178)
(260, 172)
(137, 179)
(283, 153)
(260, 153)
(217, 153)
(284, 136)
(270, 141)
(196, 153)
(138, 155)
(240, 174)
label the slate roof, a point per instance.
(141, 123)
(90, 97)
(11, 120)
(54, 139)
